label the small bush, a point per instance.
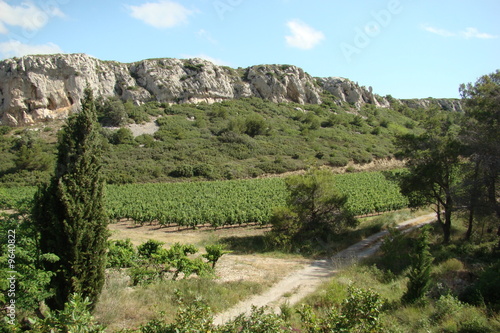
(447, 305)
(75, 317)
(259, 321)
(359, 312)
(395, 257)
(487, 285)
(184, 171)
(149, 248)
(143, 275)
(204, 170)
(121, 254)
(475, 325)
(255, 125)
(214, 252)
(123, 136)
(450, 265)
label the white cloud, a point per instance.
(161, 14)
(474, 33)
(27, 16)
(213, 60)
(467, 33)
(437, 31)
(15, 48)
(303, 36)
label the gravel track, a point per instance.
(306, 280)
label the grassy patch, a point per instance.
(444, 313)
(121, 306)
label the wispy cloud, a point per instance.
(15, 48)
(468, 33)
(27, 16)
(302, 35)
(161, 14)
(437, 31)
(474, 33)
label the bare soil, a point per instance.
(258, 267)
(299, 283)
(289, 279)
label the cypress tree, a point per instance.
(69, 211)
(420, 270)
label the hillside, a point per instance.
(241, 138)
(170, 119)
(38, 88)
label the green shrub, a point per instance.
(184, 171)
(123, 136)
(475, 325)
(259, 321)
(450, 265)
(5, 129)
(487, 286)
(214, 252)
(359, 312)
(395, 256)
(145, 139)
(143, 275)
(420, 269)
(189, 266)
(204, 170)
(315, 212)
(74, 318)
(446, 305)
(255, 125)
(149, 248)
(121, 254)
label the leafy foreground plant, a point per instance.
(197, 317)
(359, 312)
(74, 318)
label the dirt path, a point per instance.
(302, 282)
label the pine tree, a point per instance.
(69, 211)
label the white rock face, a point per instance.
(37, 88)
(350, 92)
(445, 104)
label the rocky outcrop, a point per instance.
(350, 92)
(448, 104)
(38, 88)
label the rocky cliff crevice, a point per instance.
(38, 88)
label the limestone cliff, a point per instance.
(350, 92)
(35, 88)
(38, 88)
(448, 104)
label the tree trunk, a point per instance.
(473, 201)
(468, 234)
(448, 206)
(447, 226)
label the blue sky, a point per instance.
(406, 48)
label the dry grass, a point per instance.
(238, 275)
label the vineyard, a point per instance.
(221, 203)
